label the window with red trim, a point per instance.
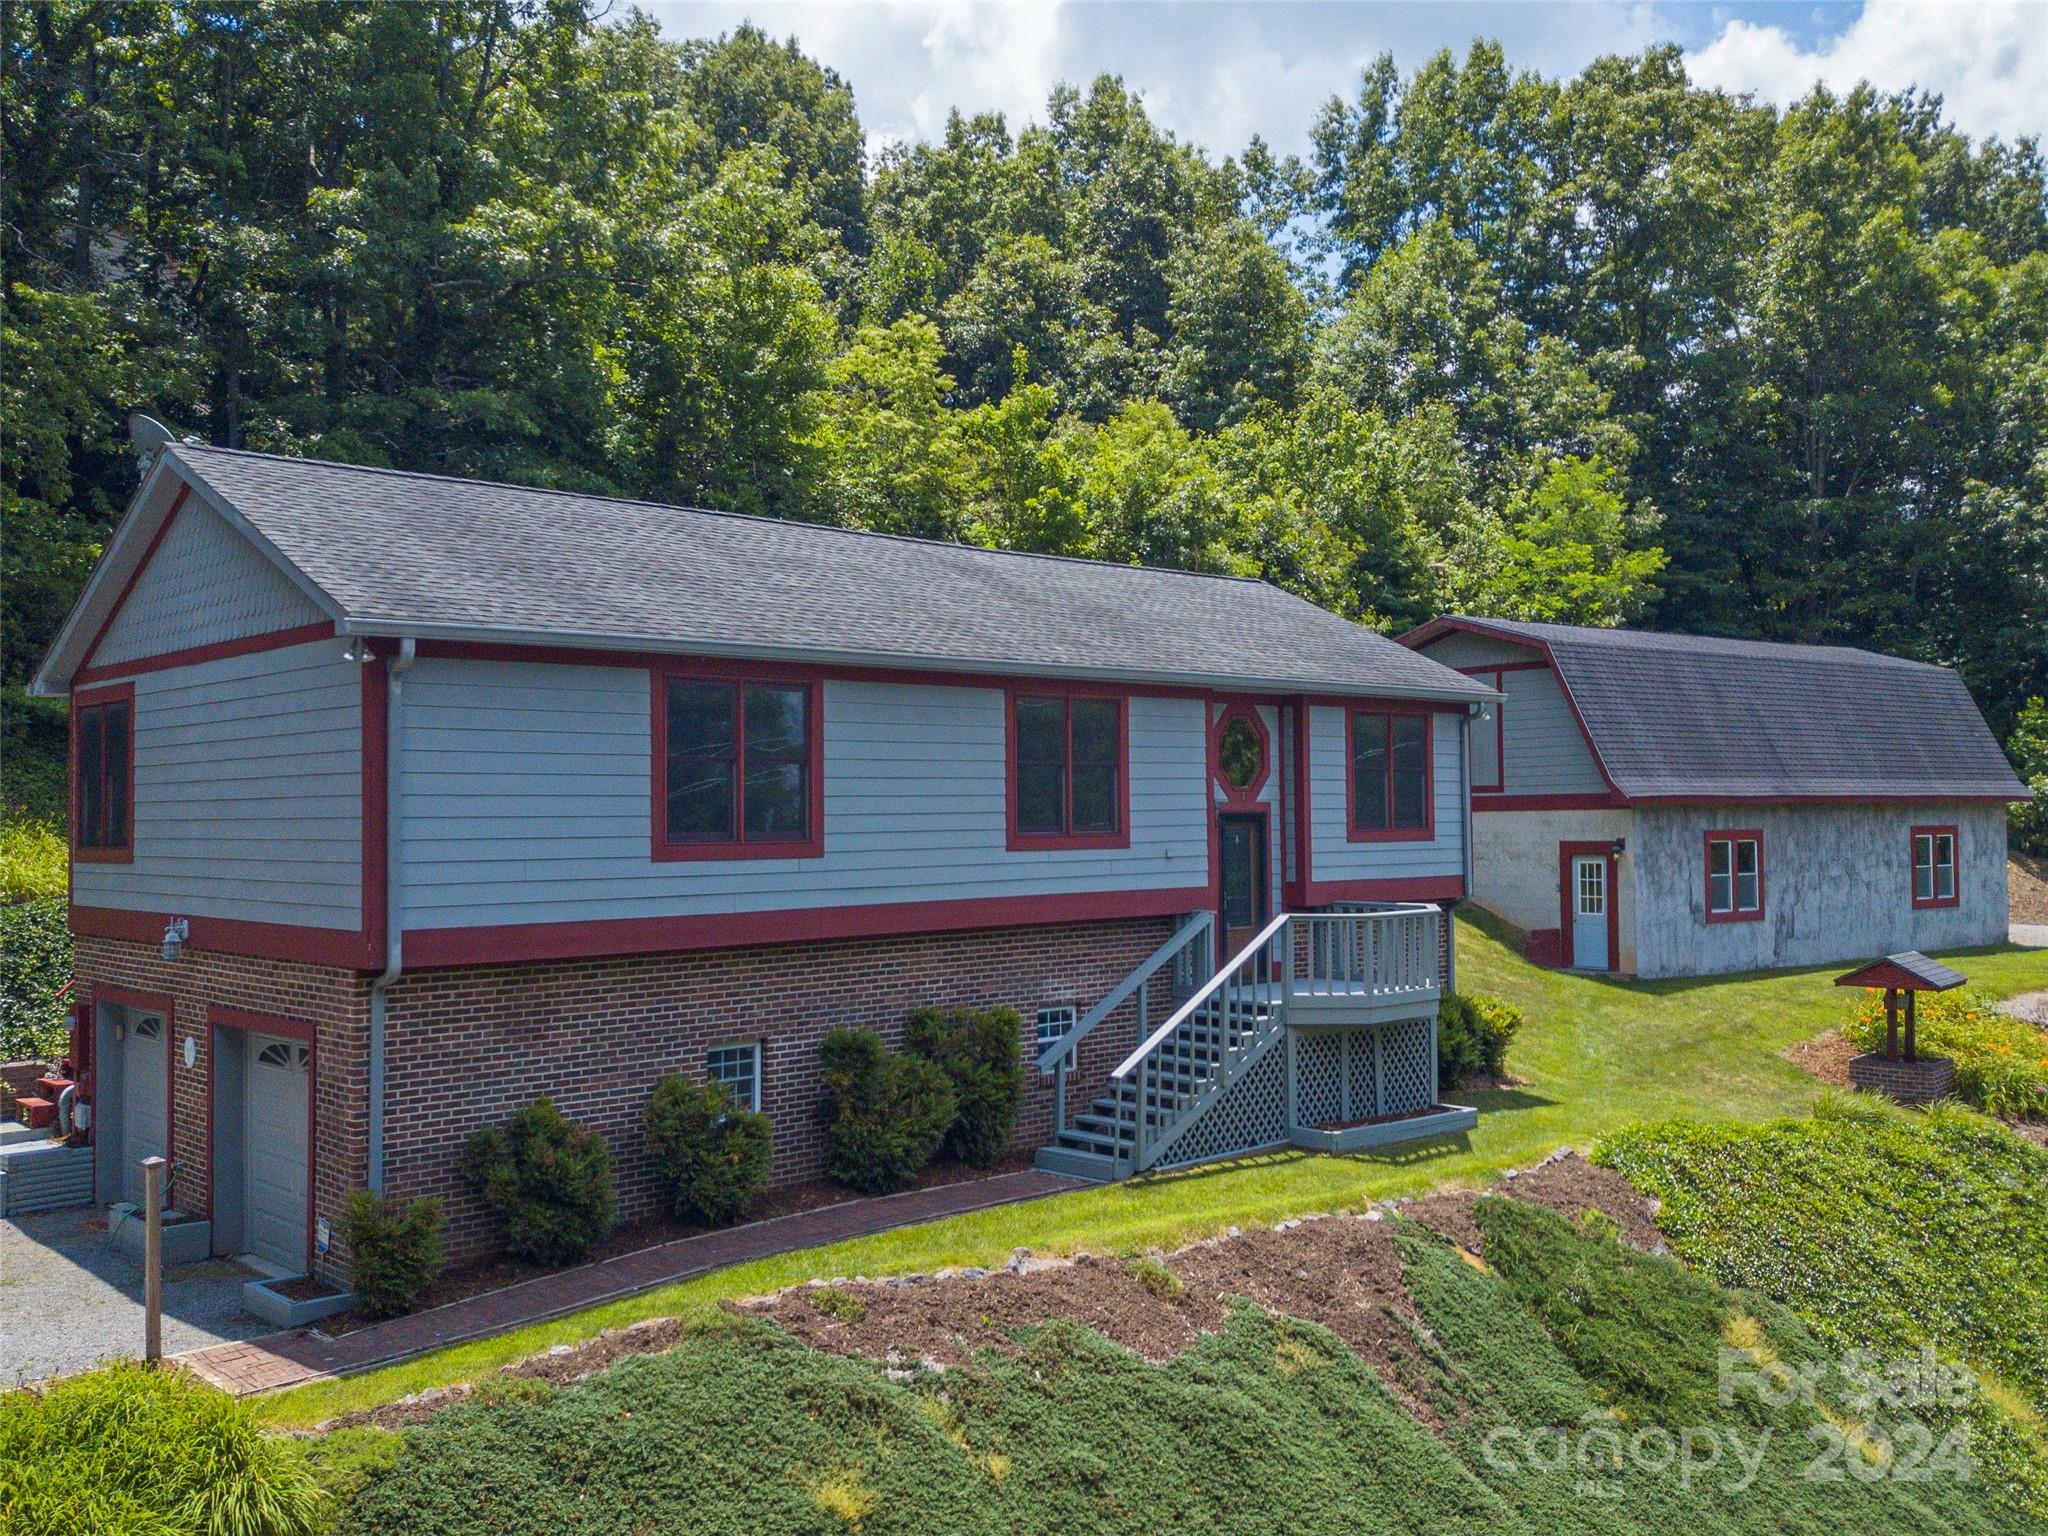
(1735, 876)
(1934, 867)
(103, 774)
(737, 768)
(1067, 768)
(1389, 787)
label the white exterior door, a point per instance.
(145, 1100)
(274, 1152)
(1589, 913)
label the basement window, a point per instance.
(1053, 1026)
(739, 1068)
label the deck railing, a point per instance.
(1235, 1017)
(1186, 953)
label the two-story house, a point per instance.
(401, 800)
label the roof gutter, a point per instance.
(394, 915)
(894, 661)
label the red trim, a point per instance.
(340, 947)
(1588, 848)
(1916, 799)
(191, 655)
(638, 936)
(1319, 893)
(1435, 629)
(148, 1002)
(1955, 865)
(1240, 709)
(376, 802)
(290, 1029)
(1352, 831)
(1592, 802)
(1739, 914)
(149, 550)
(121, 853)
(1295, 892)
(661, 850)
(1500, 728)
(1019, 841)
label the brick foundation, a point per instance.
(1921, 1081)
(466, 1047)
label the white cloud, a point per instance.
(1988, 62)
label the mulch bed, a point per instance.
(304, 1288)
(2026, 886)
(1343, 1272)
(1825, 1056)
(494, 1274)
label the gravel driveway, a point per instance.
(69, 1298)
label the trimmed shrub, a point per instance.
(2001, 1062)
(884, 1114)
(546, 1179)
(981, 1052)
(127, 1451)
(714, 1155)
(35, 960)
(394, 1250)
(1472, 1037)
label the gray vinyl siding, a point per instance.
(205, 584)
(527, 800)
(1837, 886)
(248, 793)
(1333, 856)
(1543, 750)
(1460, 649)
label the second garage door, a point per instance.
(274, 1152)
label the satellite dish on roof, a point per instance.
(148, 436)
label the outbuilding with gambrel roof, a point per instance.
(1679, 805)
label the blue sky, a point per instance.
(1217, 73)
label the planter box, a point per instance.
(261, 1299)
(186, 1240)
(1437, 1120)
(1908, 1082)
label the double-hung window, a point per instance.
(1934, 867)
(737, 771)
(1067, 767)
(103, 775)
(1390, 771)
(1735, 876)
(739, 1068)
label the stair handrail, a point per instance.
(1203, 994)
(1064, 1047)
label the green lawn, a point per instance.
(1597, 1055)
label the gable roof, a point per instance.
(1909, 970)
(1695, 717)
(396, 553)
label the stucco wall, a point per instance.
(1837, 886)
(1514, 866)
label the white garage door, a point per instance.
(145, 1074)
(274, 1152)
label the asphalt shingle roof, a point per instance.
(430, 555)
(1700, 717)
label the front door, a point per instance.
(1589, 912)
(1241, 842)
(145, 1097)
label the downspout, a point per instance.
(1465, 844)
(394, 922)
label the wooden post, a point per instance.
(1909, 1028)
(1891, 1024)
(153, 1259)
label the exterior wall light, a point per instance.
(1620, 846)
(175, 935)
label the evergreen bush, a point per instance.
(884, 1114)
(713, 1155)
(394, 1250)
(1472, 1037)
(981, 1052)
(546, 1180)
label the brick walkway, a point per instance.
(277, 1360)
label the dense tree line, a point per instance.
(1612, 349)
